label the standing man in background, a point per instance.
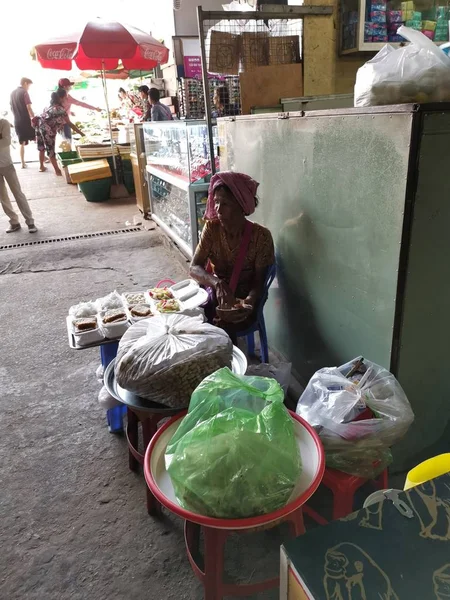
(23, 113)
(8, 174)
(68, 100)
(159, 111)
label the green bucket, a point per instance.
(97, 190)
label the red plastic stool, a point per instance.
(210, 569)
(344, 487)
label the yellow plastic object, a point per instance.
(429, 469)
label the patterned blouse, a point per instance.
(214, 246)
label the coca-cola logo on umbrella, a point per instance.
(61, 54)
(152, 53)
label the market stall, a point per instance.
(178, 169)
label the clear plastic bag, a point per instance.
(332, 403)
(234, 454)
(105, 399)
(419, 72)
(281, 372)
(165, 357)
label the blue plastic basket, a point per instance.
(114, 416)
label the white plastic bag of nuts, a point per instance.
(165, 357)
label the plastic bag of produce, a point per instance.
(359, 415)
(165, 357)
(234, 454)
(419, 72)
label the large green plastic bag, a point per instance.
(234, 454)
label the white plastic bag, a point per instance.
(105, 399)
(165, 357)
(419, 72)
(331, 402)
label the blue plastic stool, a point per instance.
(260, 325)
(108, 352)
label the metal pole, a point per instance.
(105, 91)
(206, 91)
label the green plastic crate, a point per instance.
(97, 190)
(128, 181)
(67, 158)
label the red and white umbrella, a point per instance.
(101, 45)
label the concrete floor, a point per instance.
(73, 523)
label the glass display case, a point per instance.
(178, 171)
(367, 25)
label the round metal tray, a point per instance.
(238, 365)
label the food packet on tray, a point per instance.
(235, 454)
(164, 358)
(338, 406)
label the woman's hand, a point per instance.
(224, 295)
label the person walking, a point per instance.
(8, 174)
(23, 113)
(159, 111)
(47, 125)
(68, 101)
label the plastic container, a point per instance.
(134, 319)
(113, 330)
(98, 190)
(128, 299)
(429, 469)
(115, 418)
(128, 181)
(65, 157)
(91, 336)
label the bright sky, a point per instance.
(28, 26)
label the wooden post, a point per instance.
(320, 51)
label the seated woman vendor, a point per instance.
(234, 254)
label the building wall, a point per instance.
(324, 71)
(186, 17)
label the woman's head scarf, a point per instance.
(240, 185)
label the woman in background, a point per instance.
(47, 126)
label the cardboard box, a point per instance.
(224, 52)
(254, 50)
(264, 86)
(89, 171)
(284, 50)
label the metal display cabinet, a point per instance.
(178, 170)
(367, 25)
(357, 203)
(137, 156)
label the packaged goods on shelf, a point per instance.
(378, 16)
(394, 16)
